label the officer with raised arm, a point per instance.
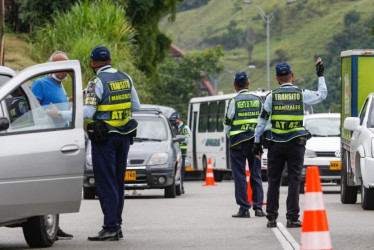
(287, 138)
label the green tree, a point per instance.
(87, 25)
(180, 80)
(153, 44)
(37, 12)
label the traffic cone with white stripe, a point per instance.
(249, 189)
(209, 179)
(315, 230)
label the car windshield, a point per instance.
(323, 127)
(4, 79)
(151, 128)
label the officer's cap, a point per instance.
(174, 117)
(100, 53)
(241, 78)
(283, 69)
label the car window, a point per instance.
(4, 79)
(370, 122)
(363, 111)
(323, 127)
(151, 128)
(26, 113)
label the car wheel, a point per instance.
(348, 195)
(367, 197)
(205, 166)
(218, 176)
(41, 231)
(170, 191)
(178, 190)
(302, 187)
(89, 193)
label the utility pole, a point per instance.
(2, 40)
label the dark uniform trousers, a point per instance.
(109, 166)
(278, 154)
(183, 170)
(237, 160)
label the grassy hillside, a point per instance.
(17, 53)
(300, 31)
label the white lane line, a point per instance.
(285, 238)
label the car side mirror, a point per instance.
(352, 123)
(4, 123)
(178, 138)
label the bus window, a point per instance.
(203, 117)
(212, 120)
(220, 115)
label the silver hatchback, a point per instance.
(154, 160)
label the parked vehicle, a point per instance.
(323, 149)
(40, 163)
(357, 135)
(154, 160)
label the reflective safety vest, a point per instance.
(183, 131)
(115, 105)
(247, 109)
(287, 105)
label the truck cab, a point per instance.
(357, 132)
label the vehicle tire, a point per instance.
(348, 195)
(218, 176)
(41, 231)
(89, 193)
(367, 197)
(170, 191)
(302, 187)
(178, 190)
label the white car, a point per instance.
(41, 163)
(323, 149)
(358, 157)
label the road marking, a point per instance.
(285, 238)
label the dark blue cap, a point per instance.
(100, 53)
(283, 69)
(241, 78)
(174, 117)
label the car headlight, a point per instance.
(89, 159)
(309, 153)
(158, 159)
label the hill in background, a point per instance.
(300, 33)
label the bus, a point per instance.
(208, 138)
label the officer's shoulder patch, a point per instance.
(92, 84)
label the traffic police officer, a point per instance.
(181, 129)
(110, 97)
(240, 121)
(287, 138)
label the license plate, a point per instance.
(130, 176)
(335, 165)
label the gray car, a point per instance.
(154, 160)
(40, 163)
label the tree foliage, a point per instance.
(153, 44)
(34, 12)
(87, 25)
(181, 79)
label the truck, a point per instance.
(357, 132)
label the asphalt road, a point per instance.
(201, 219)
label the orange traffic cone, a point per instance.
(249, 189)
(315, 230)
(209, 179)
